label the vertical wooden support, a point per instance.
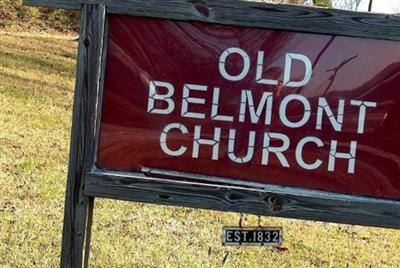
(78, 207)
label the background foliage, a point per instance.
(13, 15)
(323, 3)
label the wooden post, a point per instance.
(78, 207)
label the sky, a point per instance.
(385, 6)
(381, 6)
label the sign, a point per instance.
(272, 110)
(260, 236)
(294, 109)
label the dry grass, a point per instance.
(36, 82)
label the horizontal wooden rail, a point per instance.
(255, 198)
(251, 14)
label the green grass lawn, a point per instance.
(36, 89)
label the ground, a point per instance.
(36, 90)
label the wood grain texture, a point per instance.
(258, 199)
(78, 208)
(101, 90)
(241, 13)
(54, 3)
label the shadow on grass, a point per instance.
(38, 63)
(22, 85)
(62, 47)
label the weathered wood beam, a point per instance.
(54, 4)
(252, 14)
(78, 207)
(258, 199)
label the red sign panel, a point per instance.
(304, 110)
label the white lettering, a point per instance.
(198, 141)
(153, 96)
(276, 150)
(283, 108)
(333, 154)
(324, 107)
(259, 73)
(247, 100)
(187, 99)
(214, 108)
(288, 70)
(299, 153)
(250, 148)
(222, 64)
(163, 139)
(363, 110)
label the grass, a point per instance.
(36, 90)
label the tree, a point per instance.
(323, 3)
(347, 4)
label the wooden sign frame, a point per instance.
(86, 181)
